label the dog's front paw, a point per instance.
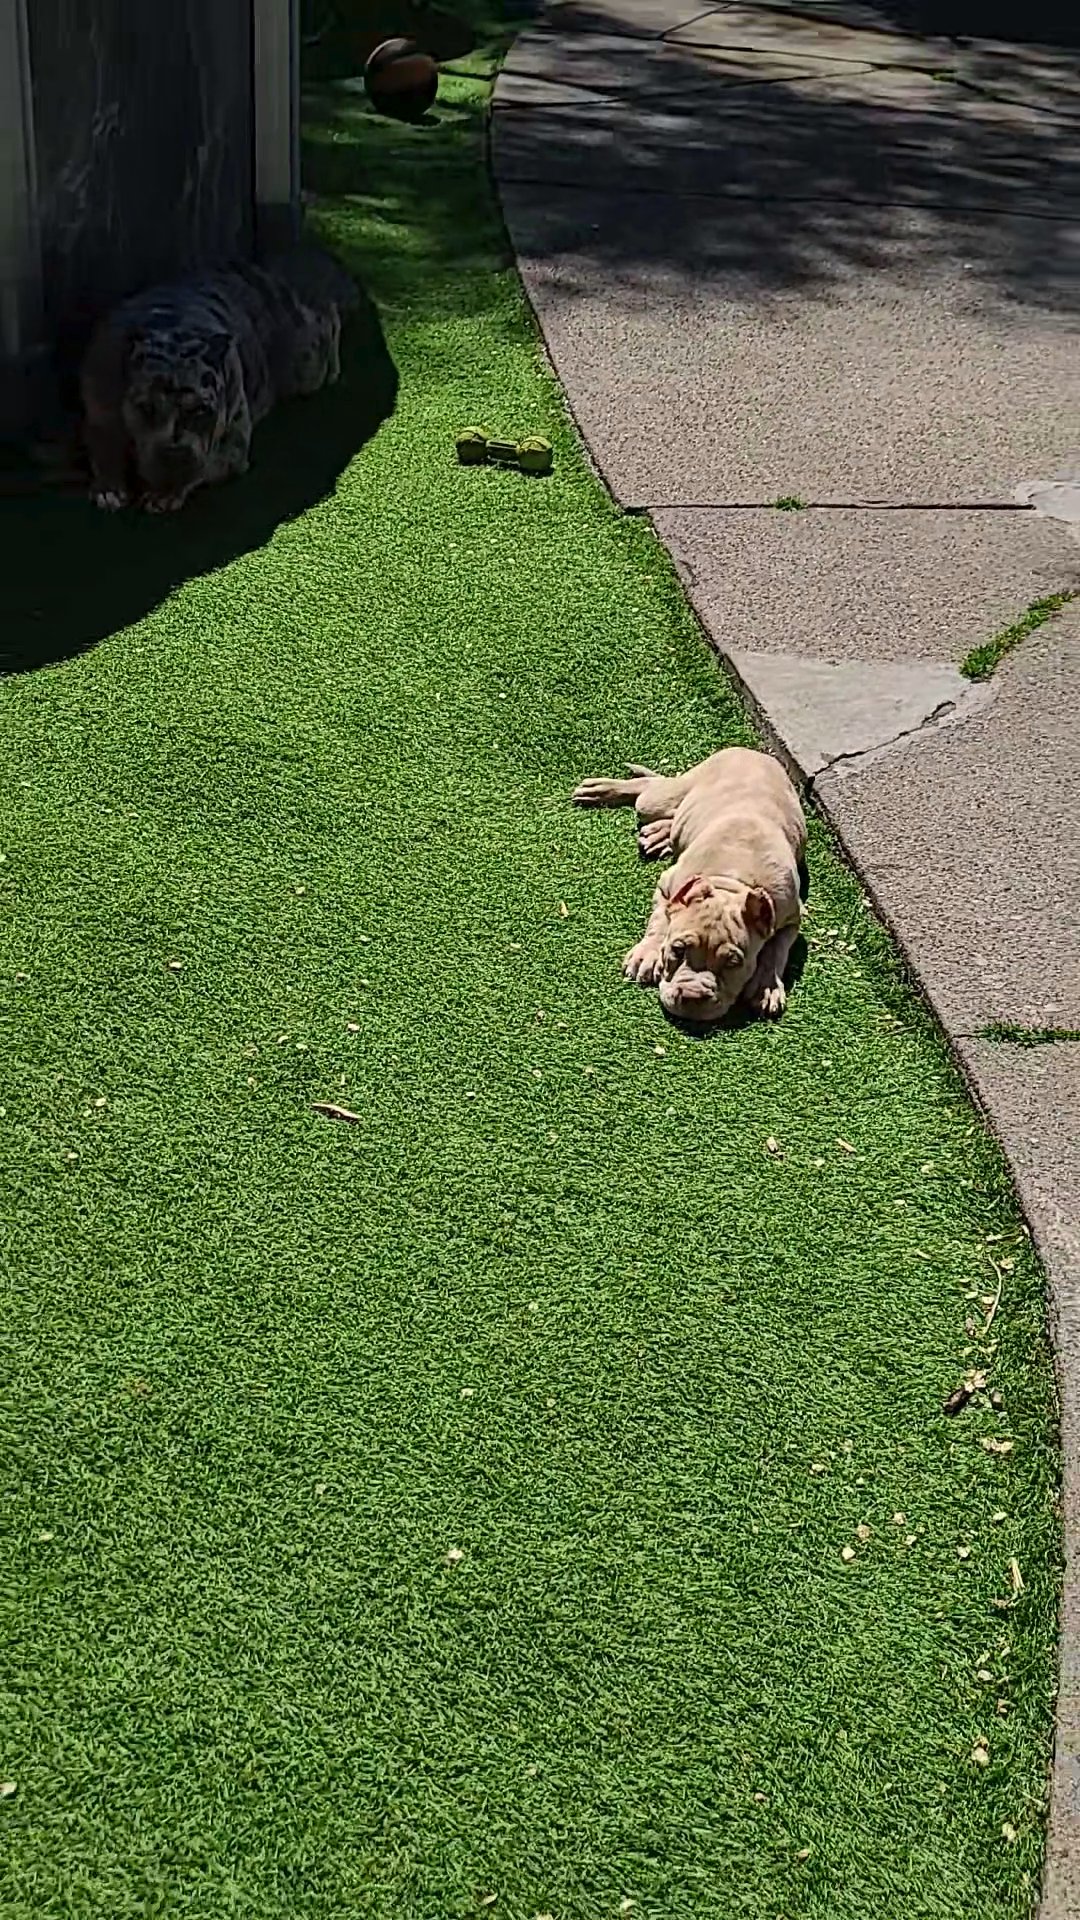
(164, 502)
(110, 499)
(642, 964)
(770, 1000)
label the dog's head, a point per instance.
(710, 947)
(175, 402)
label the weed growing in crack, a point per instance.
(983, 661)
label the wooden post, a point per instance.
(276, 96)
(21, 351)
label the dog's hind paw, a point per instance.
(595, 793)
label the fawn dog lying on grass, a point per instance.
(725, 916)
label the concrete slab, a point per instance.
(1032, 1099)
(1040, 70)
(884, 585)
(859, 15)
(969, 840)
(601, 69)
(1057, 500)
(647, 19)
(872, 135)
(1047, 78)
(726, 354)
(823, 714)
(826, 37)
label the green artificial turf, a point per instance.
(445, 1514)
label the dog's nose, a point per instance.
(693, 989)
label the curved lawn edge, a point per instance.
(1058, 1895)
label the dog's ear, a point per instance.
(696, 888)
(760, 912)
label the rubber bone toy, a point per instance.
(476, 449)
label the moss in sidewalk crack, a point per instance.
(982, 661)
(1006, 1033)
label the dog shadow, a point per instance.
(742, 1017)
(74, 575)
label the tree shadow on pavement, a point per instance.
(1045, 22)
(73, 575)
(801, 147)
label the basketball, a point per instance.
(400, 80)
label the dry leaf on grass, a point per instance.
(330, 1112)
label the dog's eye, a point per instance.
(677, 950)
(734, 958)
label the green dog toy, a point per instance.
(476, 449)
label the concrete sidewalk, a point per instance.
(789, 252)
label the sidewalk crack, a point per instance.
(943, 708)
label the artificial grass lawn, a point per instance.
(554, 1306)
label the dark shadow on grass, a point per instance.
(338, 35)
(398, 200)
(391, 195)
(73, 575)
